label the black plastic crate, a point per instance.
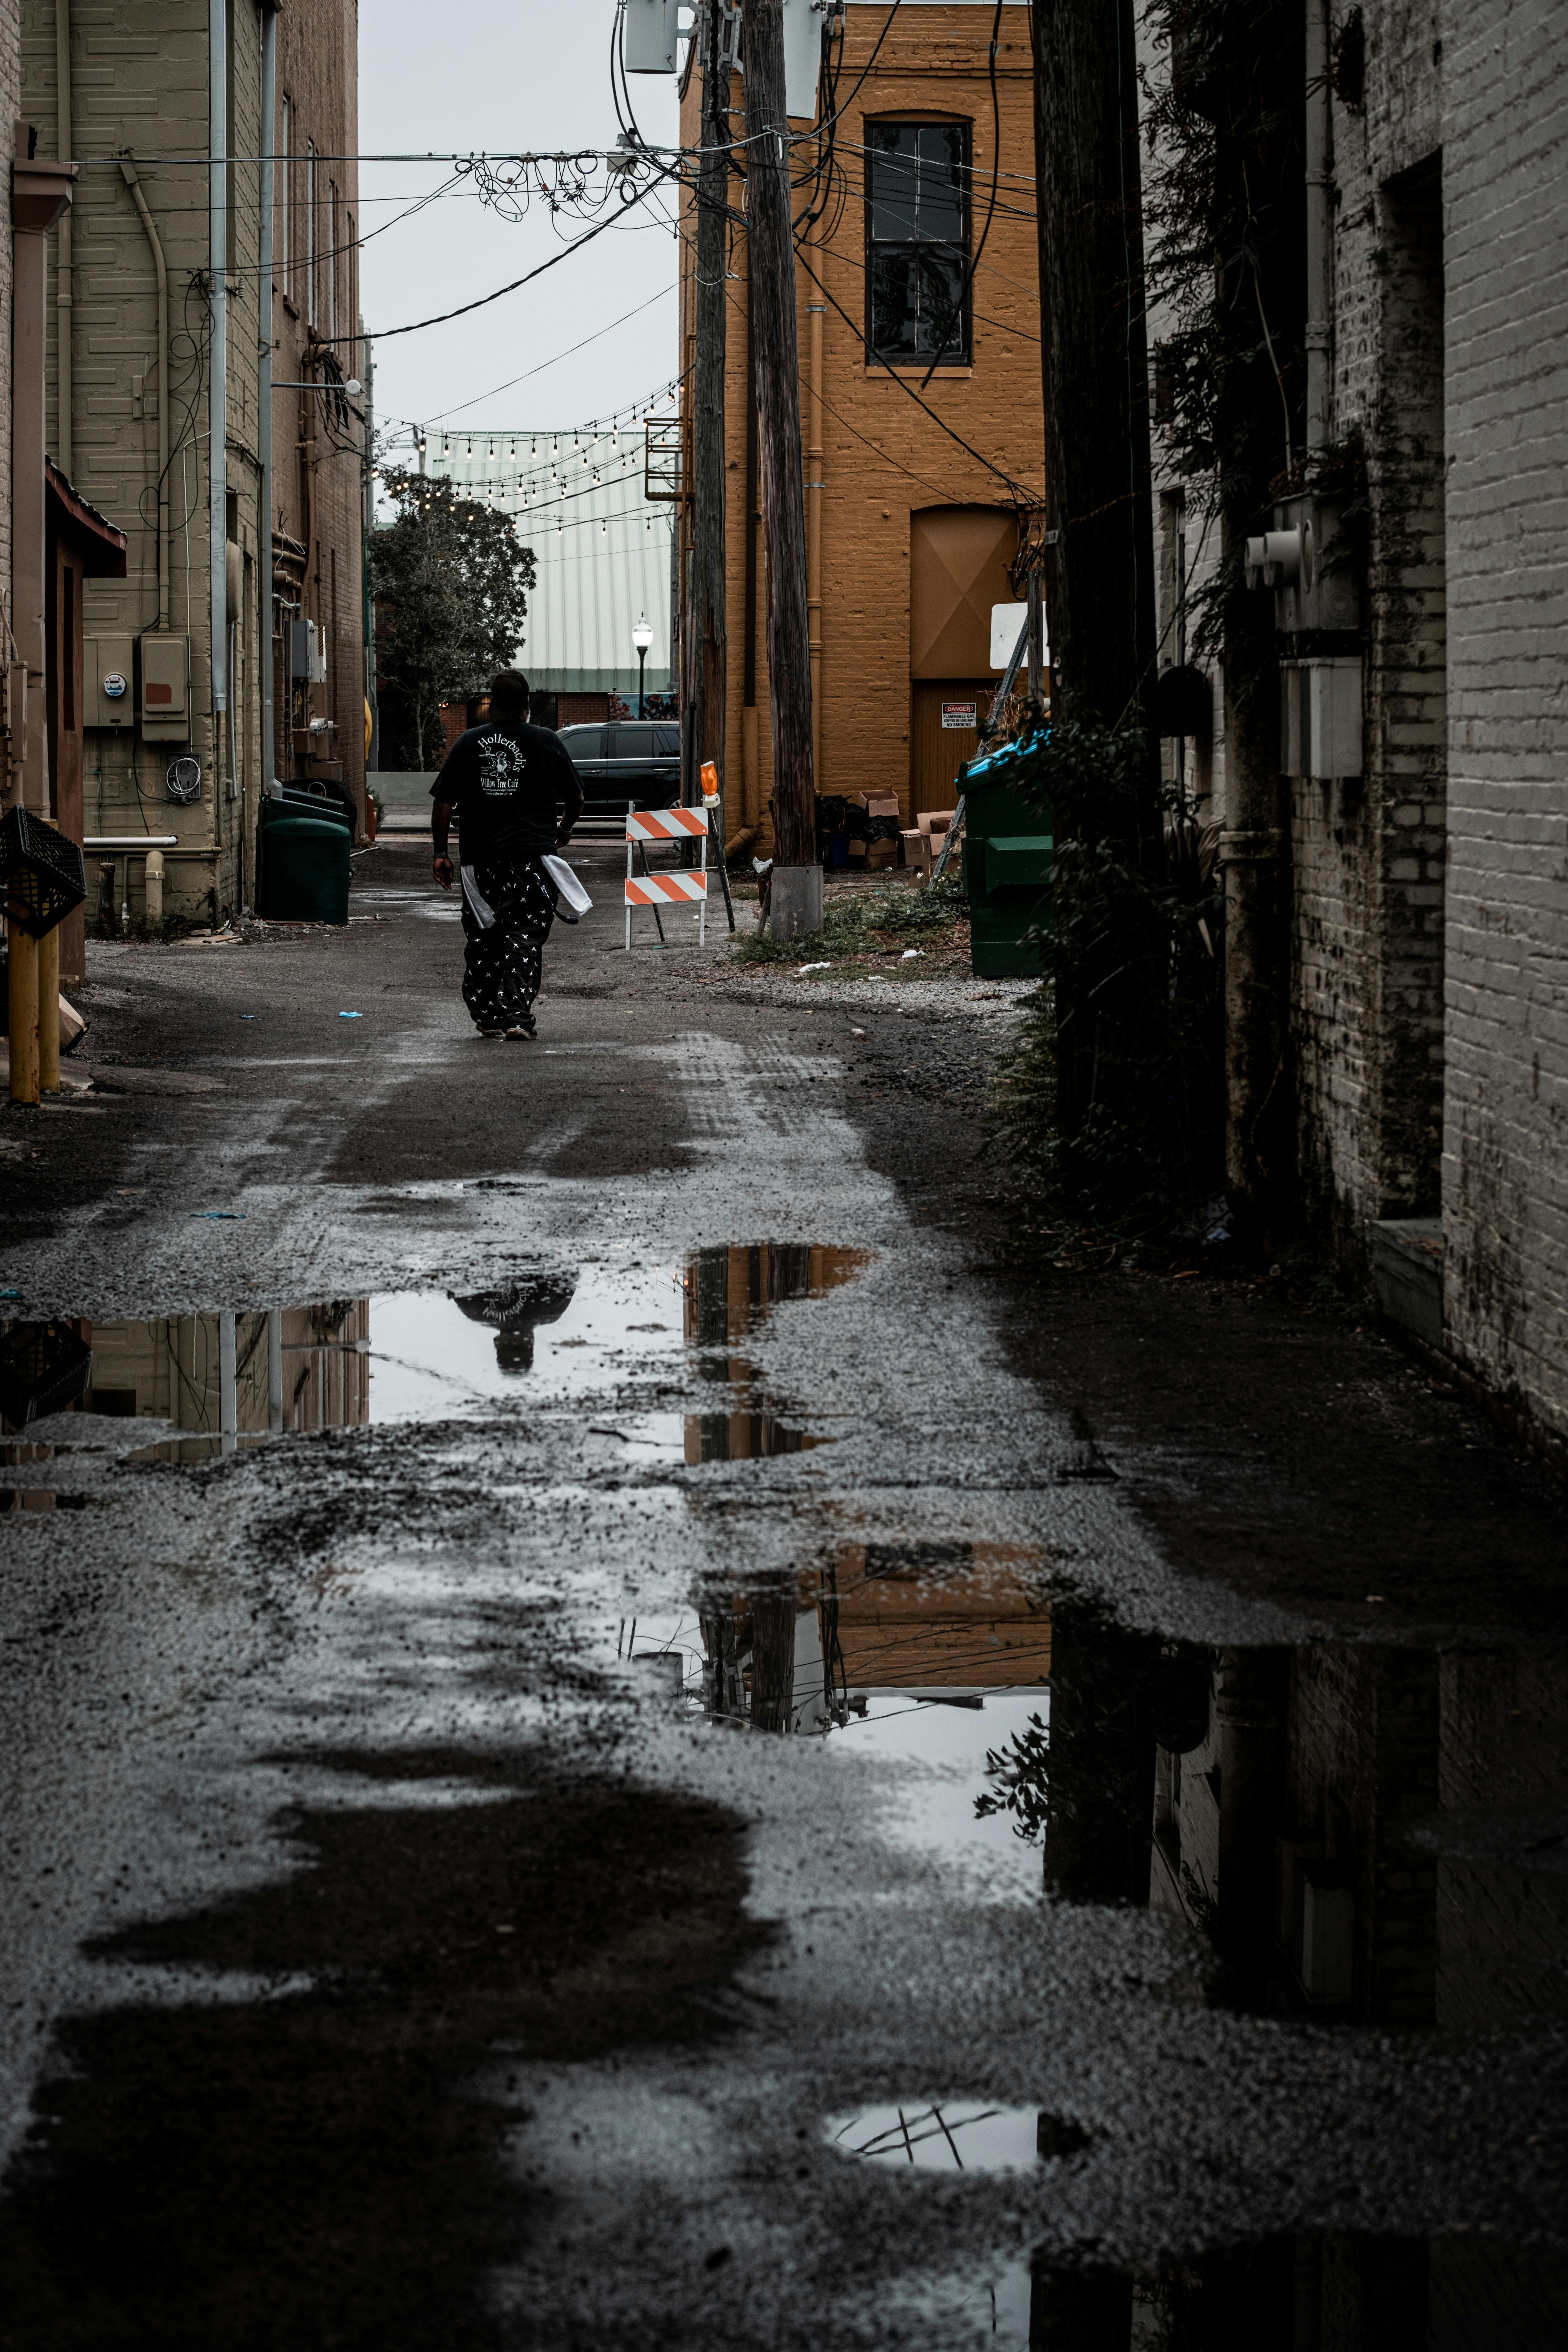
(44, 873)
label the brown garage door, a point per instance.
(958, 569)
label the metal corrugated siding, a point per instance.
(602, 550)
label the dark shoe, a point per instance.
(520, 1036)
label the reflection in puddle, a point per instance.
(1315, 2293)
(1366, 1832)
(878, 1631)
(960, 2136)
(540, 1334)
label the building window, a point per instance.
(917, 241)
(283, 228)
(312, 311)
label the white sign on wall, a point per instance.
(960, 714)
(1007, 620)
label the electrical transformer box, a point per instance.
(308, 653)
(107, 672)
(163, 686)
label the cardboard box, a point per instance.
(881, 854)
(879, 806)
(936, 821)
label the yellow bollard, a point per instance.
(49, 1012)
(23, 954)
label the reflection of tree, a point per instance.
(1020, 1777)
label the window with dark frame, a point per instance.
(917, 242)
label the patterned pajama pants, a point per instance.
(508, 909)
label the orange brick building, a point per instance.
(913, 534)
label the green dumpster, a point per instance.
(304, 870)
(1008, 865)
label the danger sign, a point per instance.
(959, 714)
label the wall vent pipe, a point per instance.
(64, 273)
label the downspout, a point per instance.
(367, 525)
(752, 787)
(218, 388)
(264, 399)
(63, 270)
(814, 488)
(133, 183)
(1320, 227)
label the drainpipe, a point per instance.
(40, 194)
(1320, 218)
(264, 411)
(814, 488)
(217, 391)
(63, 274)
(132, 182)
(228, 1384)
(367, 526)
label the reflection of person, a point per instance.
(515, 1313)
(517, 797)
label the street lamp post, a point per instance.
(642, 637)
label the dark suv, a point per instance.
(635, 760)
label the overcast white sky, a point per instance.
(503, 75)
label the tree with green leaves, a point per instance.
(450, 577)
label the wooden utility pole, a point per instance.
(1099, 587)
(797, 876)
(708, 479)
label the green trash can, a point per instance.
(304, 870)
(1009, 857)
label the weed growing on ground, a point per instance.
(853, 925)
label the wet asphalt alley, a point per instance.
(713, 1763)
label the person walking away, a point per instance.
(517, 797)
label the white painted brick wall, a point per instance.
(1505, 1174)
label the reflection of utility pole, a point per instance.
(709, 669)
(797, 889)
(773, 1656)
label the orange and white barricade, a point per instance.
(656, 890)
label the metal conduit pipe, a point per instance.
(264, 408)
(1319, 227)
(217, 391)
(132, 182)
(64, 274)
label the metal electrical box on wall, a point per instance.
(164, 685)
(1319, 718)
(107, 669)
(308, 653)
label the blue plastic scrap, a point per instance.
(216, 1213)
(351, 1016)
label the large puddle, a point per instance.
(537, 1335)
(1351, 1836)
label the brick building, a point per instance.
(174, 651)
(1420, 826)
(913, 536)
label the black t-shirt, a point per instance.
(506, 784)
